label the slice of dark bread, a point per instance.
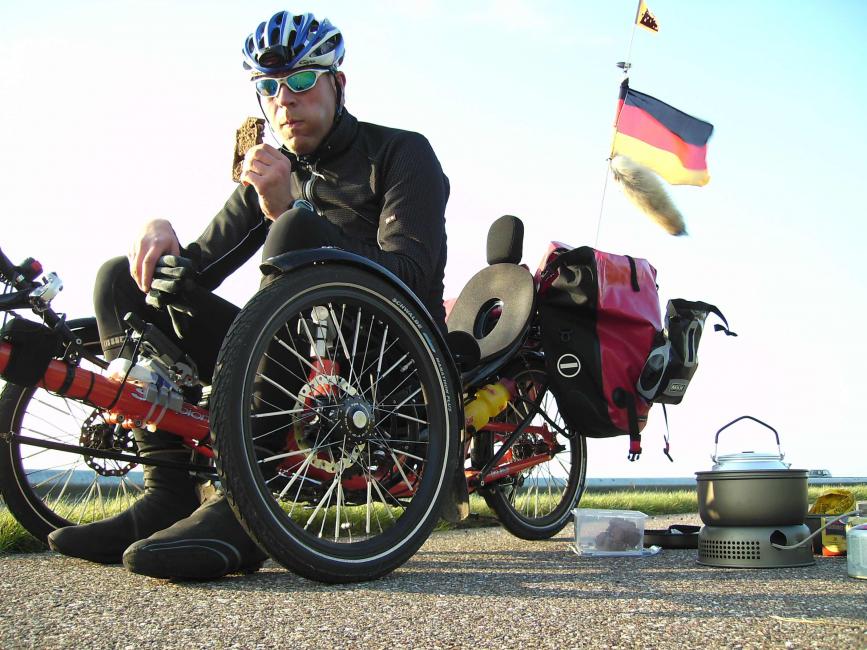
(250, 134)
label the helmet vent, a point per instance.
(327, 46)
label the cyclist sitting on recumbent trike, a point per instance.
(335, 181)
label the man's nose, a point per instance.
(285, 97)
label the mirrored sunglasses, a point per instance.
(297, 82)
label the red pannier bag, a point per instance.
(600, 316)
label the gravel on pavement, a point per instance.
(478, 587)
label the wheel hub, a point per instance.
(331, 400)
(356, 420)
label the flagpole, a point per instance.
(602, 203)
(626, 62)
(625, 66)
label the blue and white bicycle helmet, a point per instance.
(290, 41)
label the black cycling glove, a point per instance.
(173, 288)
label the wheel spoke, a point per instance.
(51, 478)
(65, 484)
(379, 359)
(399, 467)
(271, 414)
(404, 416)
(339, 327)
(396, 388)
(291, 372)
(354, 348)
(280, 387)
(49, 405)
(293, 351)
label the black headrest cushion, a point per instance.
(506, 240)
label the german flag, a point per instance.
(658, 136)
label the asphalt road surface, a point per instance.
(478, 588)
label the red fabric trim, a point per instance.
(627, 322)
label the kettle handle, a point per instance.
(746, 417)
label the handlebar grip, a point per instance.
(30, 269)
(7, 268)
(21, 276)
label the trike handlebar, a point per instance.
(20, 276)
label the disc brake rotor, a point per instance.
(96, 433)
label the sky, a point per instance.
(114, 113)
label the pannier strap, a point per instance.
(667, 449)
(626, 400)
(681, 304)
(634, 447)
(67, 381)
(633, 278)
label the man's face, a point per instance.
(302, 120)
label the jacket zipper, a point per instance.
(307, 188)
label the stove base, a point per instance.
(749, 547)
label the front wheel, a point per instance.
(46, 489)
(537, 503)
(335, 424)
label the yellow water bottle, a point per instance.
(489, 401)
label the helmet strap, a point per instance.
(338, 108)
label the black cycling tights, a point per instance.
(115, 293)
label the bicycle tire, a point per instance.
(45, 490)
(538, 503)
(415, 442)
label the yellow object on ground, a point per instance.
(833, 502)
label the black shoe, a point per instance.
(208, 544)
(170, 495)
(455, 506)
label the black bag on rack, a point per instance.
(674, 358)
(33, 347)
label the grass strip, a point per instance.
(14, 539)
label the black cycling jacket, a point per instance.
(383, 188)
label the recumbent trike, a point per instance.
(337, 420)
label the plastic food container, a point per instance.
(609, 532)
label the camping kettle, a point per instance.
(748, 460)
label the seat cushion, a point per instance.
(506, 288)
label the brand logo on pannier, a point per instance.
(676, 387)
(568, 365)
